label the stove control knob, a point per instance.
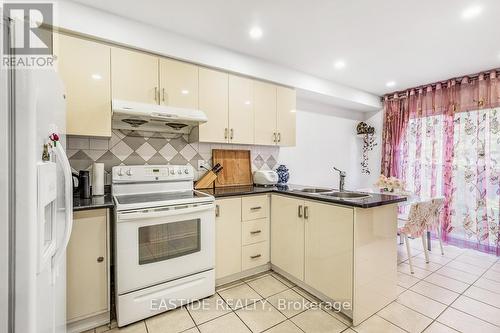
(186, 171)
(172, 171)
(129, 172)
(120, 172)
(179, 171)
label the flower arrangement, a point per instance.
(390, 184)
(368, 134)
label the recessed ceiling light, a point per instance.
(247, 103)
(471, 12)
(339, 64)
(390, 84)
(255, 32)
(96, 76)
(184, 91)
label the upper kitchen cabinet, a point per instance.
(134, 76)
(264, 105)
(84, 67)
(241, 115)
(213, 100)
(286, 107)
(178, 84)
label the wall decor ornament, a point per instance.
(367, 133)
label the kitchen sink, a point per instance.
(315, 190)
(348, 195)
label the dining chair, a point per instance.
(416, 225)
(434, 222)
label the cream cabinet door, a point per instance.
(87, 262)
(286, 108)
(84, 67)
(213, 100)
(134, 76)
(178, 84)
(264, 105)
(287, 235)
(329, 249)
(227, 237)
(241, 115)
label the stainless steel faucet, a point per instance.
(342, 175)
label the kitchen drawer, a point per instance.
(254, 207)
(255, 231)
(254, 255)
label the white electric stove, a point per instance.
(164, 240)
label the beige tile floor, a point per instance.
(457, 292)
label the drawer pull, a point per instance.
(217, 211)
(255, 232)
(256, 256)
(256, 208)
(100, 259)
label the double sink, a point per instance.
(335, 194)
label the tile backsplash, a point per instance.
(132, 149)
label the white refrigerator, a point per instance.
(40, 201)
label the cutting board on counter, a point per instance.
(237, 167)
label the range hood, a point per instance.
(135, 116)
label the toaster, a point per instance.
(265, 177)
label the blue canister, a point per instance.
(283, 174)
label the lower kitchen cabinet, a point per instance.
(329, 249)
(241, 235)
(227, 237)
(87, 273)
(313, 242)
(287, 235)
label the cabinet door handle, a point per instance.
(156, 95)
(232, 134)
(217, 211)
(225, 133)
(255, 232)
(100, 259)
(256, 208)
(279, 137)
(163, 94)
(300, 211)
(274, 137)
(306, 212)
(256, 256)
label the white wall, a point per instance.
(326, 137)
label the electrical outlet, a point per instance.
(203, 165)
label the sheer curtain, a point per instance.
(444, 140)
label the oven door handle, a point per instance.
(162, 212)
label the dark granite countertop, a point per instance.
(375, 199)
(95, 202)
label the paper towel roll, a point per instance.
(98, 179)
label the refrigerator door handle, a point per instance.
(68, 197)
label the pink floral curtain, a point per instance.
(443, 140)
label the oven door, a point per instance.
(161, 244)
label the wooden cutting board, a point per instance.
(237, 167)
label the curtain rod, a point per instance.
(403, 94)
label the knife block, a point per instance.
(206, 181)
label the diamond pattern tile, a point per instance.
(168, 152)
(188, 152)
(157, 159)
(134, 159)
(146, 151)
(109, 160)
(134, 142)
(121, 150)
(271, 162)
(258, 162)
(129, 148)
